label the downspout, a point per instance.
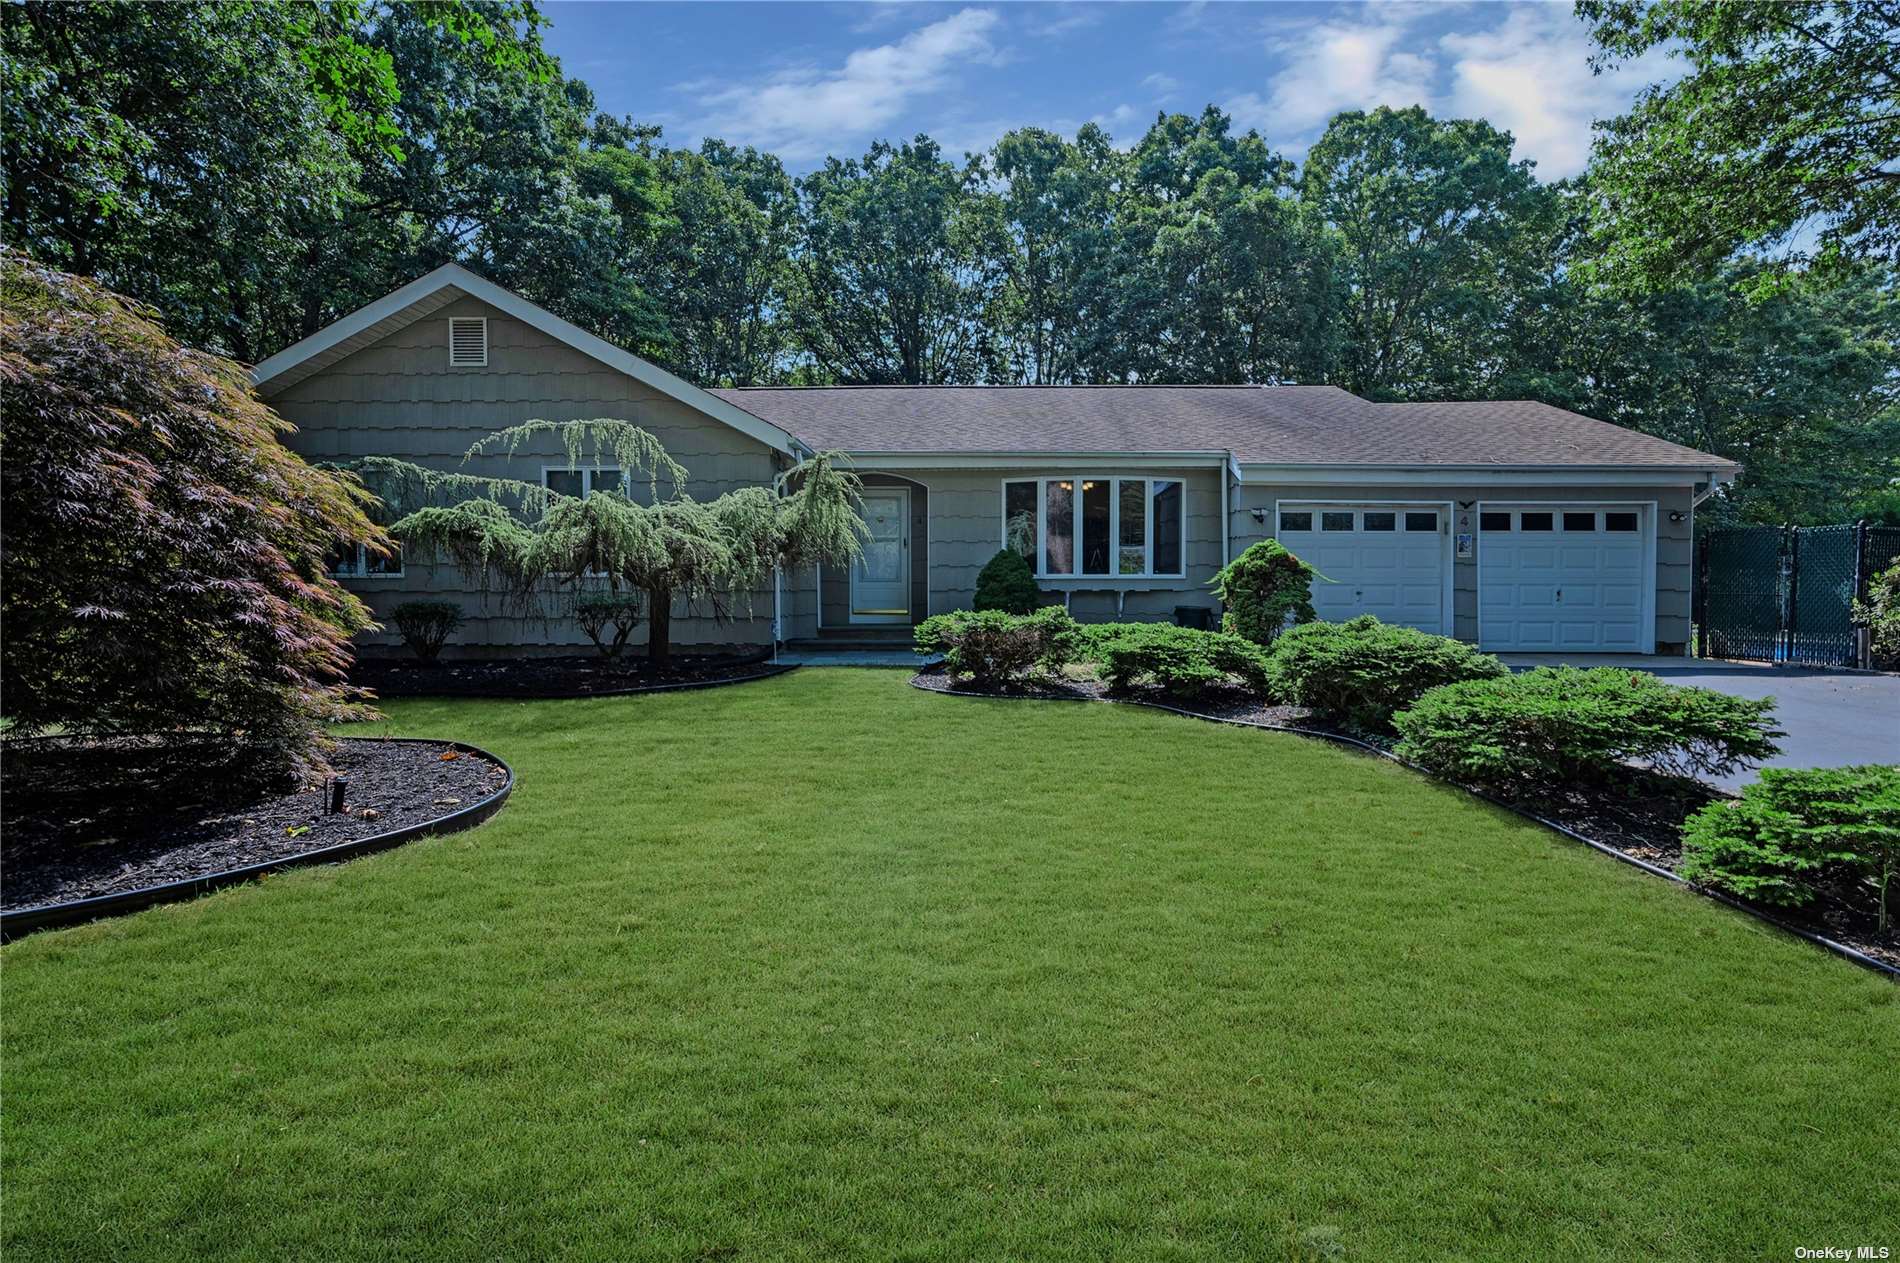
(778, 629)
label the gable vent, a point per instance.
(468, 341)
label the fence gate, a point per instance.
(1786, 593)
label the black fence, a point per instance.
(1787, 593)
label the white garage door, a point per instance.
(1383, 559)
(1563, 577)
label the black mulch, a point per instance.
(105, 818)
(577, 676)
(1640, 816)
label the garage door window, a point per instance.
(1382, 521)
(1335, 521)
(1619, 522)
(1296, 521)
(1580, 521)
(1494, 521)
(1534, 521)
(1421, 521)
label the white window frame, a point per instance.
(468, 320)
(588, 474)
(1115, 481)
(358, 567)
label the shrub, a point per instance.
(598, 611)
(1262, 588)
(1557, 725)
(426, 625)
(1795, 833)
(1363, 670)
(163, 550)
(993, 645)
(1177, 660)
(1881, 612)
(1005, 583)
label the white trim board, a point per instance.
(1439, 476)
(427, 293)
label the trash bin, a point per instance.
(1198, 617)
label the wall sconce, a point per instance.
(1259, 515)
(1676, 515)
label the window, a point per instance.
(1580, 521)
(1097, 517)
(580, 483)
(468, 341)
(1533, 521)
(1421, 521)
(1494, 521)
(1296, 521)
(1335, 521)
(1619, 521)
(354, 561)
(1131, 527)
(1375, 521)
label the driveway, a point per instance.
(1833, 718)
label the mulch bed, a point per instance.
(576, 676)
(1641, 816)
(110, 817)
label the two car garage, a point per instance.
(1531, 577)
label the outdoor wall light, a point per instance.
(1676, 515)
(1259, 515)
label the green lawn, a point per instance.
(826, 967)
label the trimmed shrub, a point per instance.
(599, 611)
(1263, 588)
(1796, 834)
(1362, 670)
(1881, 612)
(426, 625)
(1558, 725)
(1177, 660)
(993, 645)
(1005, 583)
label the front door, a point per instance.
(880, 579)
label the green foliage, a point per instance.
(163, 550)
(1557, 726)
(608, 618)
(1881, 613)
(527, 536)
(426, 626)
(1779, 126)
(1006, 583)
(1363, 670)
(993, 646)
(1794, 836)
(1262, 589)
(1181, 661)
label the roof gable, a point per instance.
(430, 293)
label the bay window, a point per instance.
(1080, 527)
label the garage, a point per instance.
(1565, 577)
(1388, 560)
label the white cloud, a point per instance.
(808, 111)
(1163, 86)
(1526, 71)
(1069, 17)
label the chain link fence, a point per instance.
(1786, 593)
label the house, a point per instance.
(1514, 525)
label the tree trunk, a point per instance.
(659, 625)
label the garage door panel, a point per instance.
(1396, 575)
(1577, 586)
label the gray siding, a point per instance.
(1675, 559)
(399, 397)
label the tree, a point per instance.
(163, 551)
(1785, 125)
(897, 268)
(1428, 213)
(529, 537)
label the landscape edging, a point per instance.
(771, 672)
(49, 916)
(1819, 940)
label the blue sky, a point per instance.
(807, 80)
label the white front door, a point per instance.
(880, 579)
(1565, 578)
(1387, 560)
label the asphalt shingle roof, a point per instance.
(1282, 425)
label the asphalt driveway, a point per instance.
(1833, 718)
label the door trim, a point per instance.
(886, 616)
(1646, 612)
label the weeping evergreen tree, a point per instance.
(528, 537)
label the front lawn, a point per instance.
(828, 967)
